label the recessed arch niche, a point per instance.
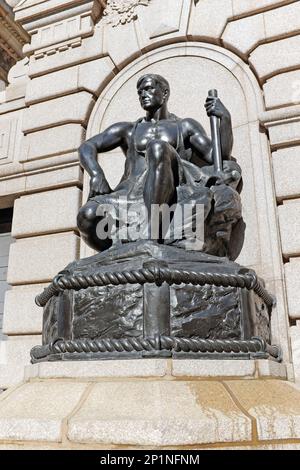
(192, 69)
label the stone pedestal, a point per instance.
(152, 403)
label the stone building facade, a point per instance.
(69, 69)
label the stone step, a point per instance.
(149, 402)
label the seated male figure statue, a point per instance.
(168, 161)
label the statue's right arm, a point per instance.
(113, 137)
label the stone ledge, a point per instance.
(240, 414)
(95, 370)
(130, 368)
(234, 368)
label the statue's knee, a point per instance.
(86, 218)
(156, 150)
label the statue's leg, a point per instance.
(162, 176)
(160, 182)
(87, 222)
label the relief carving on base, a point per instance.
(122, 11)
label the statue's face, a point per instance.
(151, 95)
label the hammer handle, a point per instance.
(215, 137)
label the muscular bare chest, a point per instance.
(161, 130)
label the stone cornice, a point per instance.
(12, 40)
(52, 23)
(12, 32)
(34, 13)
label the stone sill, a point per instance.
(166, 368)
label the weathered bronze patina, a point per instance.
(160, 292)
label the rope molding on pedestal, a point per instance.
(156, 275)
(168, 343)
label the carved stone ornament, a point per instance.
(122, 11)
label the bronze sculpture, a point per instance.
(169, 160)
(159, 295)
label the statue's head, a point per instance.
(153, 91)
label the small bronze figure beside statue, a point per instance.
(159, 286)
